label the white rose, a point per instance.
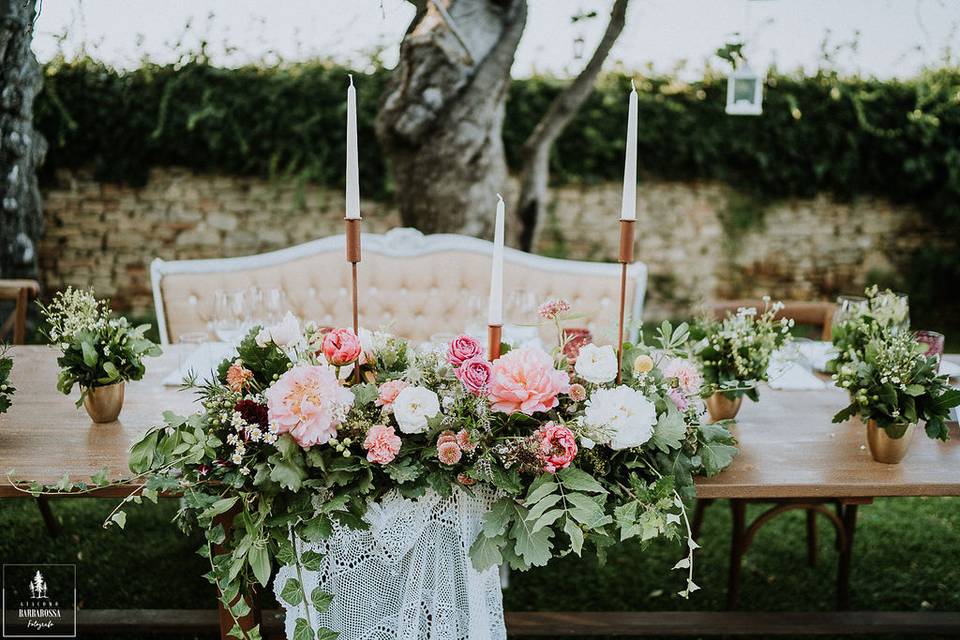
(413, 407)
(282, 334)
(597, 364)
(625, 412)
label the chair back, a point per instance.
(410, 284)
(815, 314)
(20, 292)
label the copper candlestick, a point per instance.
(352, 226)
(626, 258)
(494, 333)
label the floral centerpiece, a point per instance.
(98, 352)
(893, 387)
(734, 354)
(6, 389)
(293, 445)
(855, 326)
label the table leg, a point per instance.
(811, 537)
(699, 512)
(53, 527)
(252, 619)
(846, 556)
(738, 510)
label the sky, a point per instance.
(894, 38)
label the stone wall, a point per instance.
(701, 241)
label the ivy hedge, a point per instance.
(822, 133)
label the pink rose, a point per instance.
(340, 347)
(389, 391)
(462, 348)
(463, 439)
(558, 447)
(525, 380)
(382, 444)
(688, 377)
(308, 402)
(577, 392)
(449, 453)
(678, 399)
(475, 374)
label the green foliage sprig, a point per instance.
(6, 389)
(734, 353)
(96, 349)
(856, 322)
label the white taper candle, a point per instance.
(628, 208)
(495, 314)
(353, 168)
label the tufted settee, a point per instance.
(412, 285)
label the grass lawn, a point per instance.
(905, 558)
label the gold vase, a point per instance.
(103, 404)
(721, 407)
(885, 449)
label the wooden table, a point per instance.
(791, 455)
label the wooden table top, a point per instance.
(789, 447)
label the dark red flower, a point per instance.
(252, 412)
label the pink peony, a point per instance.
(389, 391)
(340, 347)
(463, 348)
(382, 444)
(449, 453)
(688, 377)
(475, 374)
(558, 447)
(678, 399)
(308, 403)
(524, 380)
(463, 439)
(577, 392)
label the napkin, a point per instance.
(815, 352)
(948, 368)
(202, 361)
(786, 373)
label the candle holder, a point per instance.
(494, 335)
(352, 232)
(626, 258)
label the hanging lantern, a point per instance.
(744, 92)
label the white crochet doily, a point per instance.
(408, 577)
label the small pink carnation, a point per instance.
(308, 402)
(389, 391)
(550, 309)
(688, 377)
(678, 399)
(463, 348)
(525, 380)
(557, 446)
(446, 436)
(382, 444)
(577, 392)
(475, 374)
(238, 376)
(463, 439)
(449, 453)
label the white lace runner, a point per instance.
(408, 577)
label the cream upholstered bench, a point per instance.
(413, 285)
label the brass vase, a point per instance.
(103, 404)
(721, 407)
(886, 449)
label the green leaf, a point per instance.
(670, 430)
(291, 592)
(541, 490)
(576, 535)
(586, 510)
(364, 394)
(142, 453)
(320, 599)
(220, 506)
(311, 560)
(485, 551)
(496, 520)
(534, 547)
(716, 457)
(576, 480)
(120, 518)
(915, 390)
(327, 634)
(111, 371)
(89, 354)
(302, 630)
(287, 474)
(259, 560)
(537, 510)
(547, 519)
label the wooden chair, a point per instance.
(815, 314)
(21, 292)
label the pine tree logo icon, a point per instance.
(38, 587)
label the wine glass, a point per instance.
(232, 313)
(275, 305)
(848, 308)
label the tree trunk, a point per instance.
(441, 121)
(535, 174)
(21, 148)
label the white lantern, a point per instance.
(744, 92)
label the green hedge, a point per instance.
(825, 133)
